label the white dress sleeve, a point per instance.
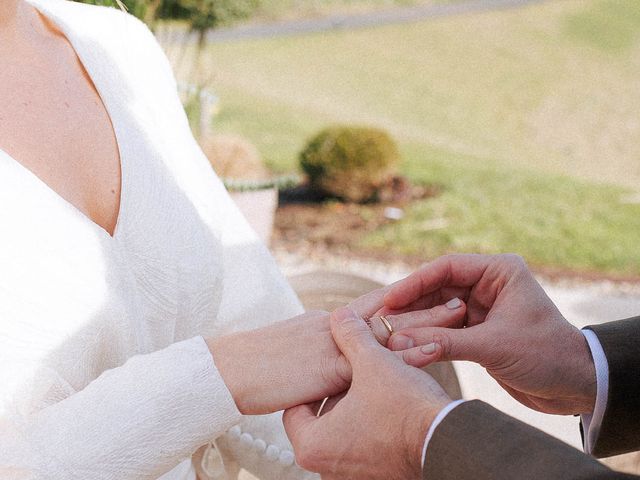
(254, 294)
(136, 421)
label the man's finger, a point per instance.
(369, 303)
(452, 344)
(351, 334)
(447, 271)
(421, 356)
(297, 421)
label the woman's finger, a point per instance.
(451, 314)
(431, 300)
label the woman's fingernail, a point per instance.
(400, 342)
(453, 304)
(429, 348)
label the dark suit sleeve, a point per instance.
(476, 441)
(620, 429)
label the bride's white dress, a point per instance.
(104, 373)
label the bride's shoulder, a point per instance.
(108, 25)
(117, 39)
(87, 17)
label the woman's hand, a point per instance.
(293, 361)
(296, 361)
(511, 328)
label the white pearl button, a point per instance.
(246, 439)
(259, 445)
(286, 458)
(272, 452)
(235, 431)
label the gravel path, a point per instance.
(348, 22)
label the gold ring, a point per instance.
(386, 324)
(367, 320)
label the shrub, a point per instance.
(351, 163)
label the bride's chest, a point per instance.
(80, 301)
(55, 124)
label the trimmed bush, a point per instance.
(351, 163)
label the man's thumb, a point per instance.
(351, 333)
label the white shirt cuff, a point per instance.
(436, 421)
(591, 423)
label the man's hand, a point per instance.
(377, 430)
(511, 328)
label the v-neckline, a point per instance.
(96, 84)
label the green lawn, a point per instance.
(528, 118)
(554, 221)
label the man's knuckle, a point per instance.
(515, 260)
(332, 375)
(444, 342)
(352, 333)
